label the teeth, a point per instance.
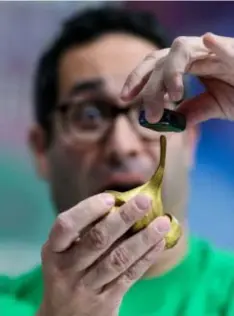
(153, 188)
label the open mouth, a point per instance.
(122, 187)
(122, 182)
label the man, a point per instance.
(86, 140)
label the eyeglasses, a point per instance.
(91, 120)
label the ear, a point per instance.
(37, 144)
(191, 141)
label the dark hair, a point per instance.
(81, 28)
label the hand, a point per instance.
(88, 264)
(160, 77)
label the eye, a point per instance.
(86, 117)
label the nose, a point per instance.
(123, 142)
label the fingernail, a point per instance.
(162, 225)
(109, 199)
(143, 202)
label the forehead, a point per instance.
(111, 57)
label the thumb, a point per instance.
(222, 46)
(200, 109)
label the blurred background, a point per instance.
(26, 213)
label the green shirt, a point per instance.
(201, 285)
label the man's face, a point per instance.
(109, 152)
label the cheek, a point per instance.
(73, 160)
(71, 174)
(177, 156)
(82, 158)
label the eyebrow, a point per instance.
(87, 85)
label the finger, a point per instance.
(220, 45)
(122, 284)
(126, 254)
(200, 109)
(153, 97)
(210, 66)
(183, 52)
(140, 75)
(69, 224)
(101, 236)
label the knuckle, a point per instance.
(148, 258)
(98, 237)
(127, 216)
(119, 259)
(152, 56)
(179, 42)
(131, 274)
(149, 236)
(130, 212)
(63, 223)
